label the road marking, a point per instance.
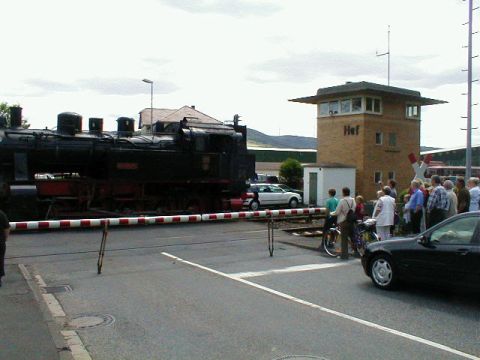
(290, 269)
(329, 311)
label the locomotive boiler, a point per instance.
(187, 166)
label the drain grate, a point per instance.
(57, 289)
(86, 321)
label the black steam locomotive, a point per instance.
(181, 167)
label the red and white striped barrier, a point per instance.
(261, 214)
(150, 220)
(86, 223)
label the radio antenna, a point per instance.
(387, 53)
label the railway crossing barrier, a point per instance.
(269, 215)
(152, 220)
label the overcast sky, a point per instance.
(231, 56)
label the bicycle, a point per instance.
(364, 234)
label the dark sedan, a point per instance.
(446, 255)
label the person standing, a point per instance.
(331, 205)
(346, 204)
(474, 193)
(463, 196)
(438, 203)
(360, 208)
(4, 233)
(393, 188)
(384, 214)
(416, 206)
(452, 198)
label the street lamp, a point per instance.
(151, 101)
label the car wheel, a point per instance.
(293, 203)
(383, 272)
(254, 205)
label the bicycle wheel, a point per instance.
(365, 238)
(332, 243)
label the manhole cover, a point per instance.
(85, 321)
(301, 357)
(57, 289)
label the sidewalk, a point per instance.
(24, 333)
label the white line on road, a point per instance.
(330, 311)
(290, 269)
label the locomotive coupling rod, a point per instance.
(101, 252)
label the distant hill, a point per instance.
(257, 138)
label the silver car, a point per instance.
(270, 195)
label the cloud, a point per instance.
(52, 86)
(107, 86)
(298, 68)
(237, 8)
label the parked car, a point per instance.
(288, 188)
(447, 255)
(270, 195)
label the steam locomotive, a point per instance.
(187, 166)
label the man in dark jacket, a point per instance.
(463, 196)
(4, 232)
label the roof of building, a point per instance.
(175, 115)
(363, 87)
(437, 151)
(329, 165)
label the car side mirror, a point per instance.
(423, 240)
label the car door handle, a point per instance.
(463, 251)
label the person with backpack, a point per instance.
(345, 213)
(385, 214)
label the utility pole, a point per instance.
(468, 154)
(387, 53)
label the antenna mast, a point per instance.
(387, 53)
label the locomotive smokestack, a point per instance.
(95, 125)
(15, 116)
(125, 126)
(69, 123)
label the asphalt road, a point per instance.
(211, 291)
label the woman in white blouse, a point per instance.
(384, 214)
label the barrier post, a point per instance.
(101, 252)
(270, 235)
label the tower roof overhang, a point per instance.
(366, 88)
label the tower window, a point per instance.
(373, 105)
(378, 138)
(413, 111)
(392, 139)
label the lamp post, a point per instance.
(151, 101)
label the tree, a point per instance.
(5, 112)
(291, 170)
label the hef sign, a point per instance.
(351, 130)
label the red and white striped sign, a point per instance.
(150, 220)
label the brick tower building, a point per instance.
(371, 127)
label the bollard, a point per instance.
(101, 252)
(270, 235)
